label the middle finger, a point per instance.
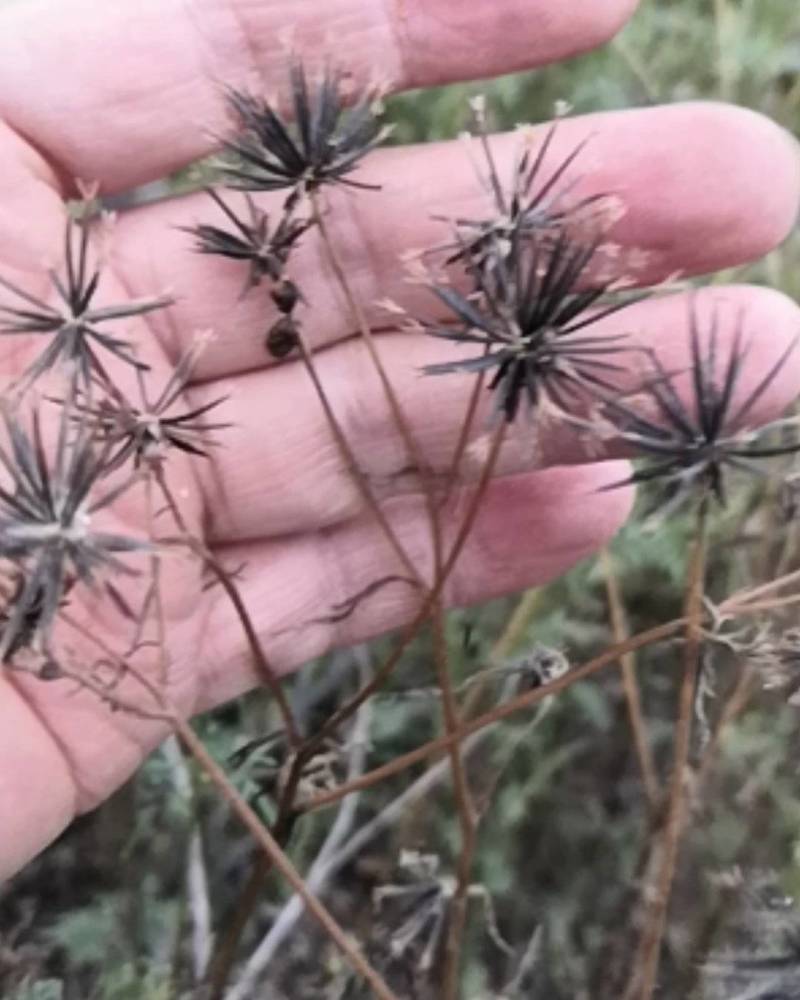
(277, 469)
(691, 179)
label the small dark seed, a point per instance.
(285, 295)
(49, 671)
(283, 337)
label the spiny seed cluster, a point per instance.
(320, 147)
(532, 289)
(70, 456)
(533, 286)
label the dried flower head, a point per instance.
(148, 431)
(689, 447)
(252, 241)
(418, 908)
(529, 319)
(534, 205)
(269, 762)
(75, 339)
(46, 512)
(776, 658)
(323, 145)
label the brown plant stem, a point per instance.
(250, 820)
(224, 953)
(353, 467)
(630, 684)
(260, 660)
(735, 601)
(223, 956)
(498, 713)
(411, 630)
(450, 710)
(464, 433)
(360, 319)
(281, 862)
(466, 814)
(646, 962)
(435, 747)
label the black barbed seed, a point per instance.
(46, 515)
(528, 314)
(76, 339)
(283, 337)
(689, 449)
(322, 144)
(285, 295)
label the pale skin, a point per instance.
(122, 93)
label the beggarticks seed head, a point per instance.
(75, 331)
(690, 447)
(322, 144)
(46, 532)
(531, 321)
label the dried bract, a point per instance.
(323, 145)
(689, 447)
(529, 319)
(148, 431)
(75, 337)
(46, 530)
(417, 910)
(536, 203)
(251, 241)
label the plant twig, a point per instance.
(281, 862)
(645, 967)
(499, 712)
(250, 820)
(320, 871)
(355, 471)
(630, 683)
(411, 630)
(260, 660)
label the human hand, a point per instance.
(124, 93)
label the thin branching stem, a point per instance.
(412, 629)
(749, 596)
(248, 817)
(365, 330)
(529, 698)
(354, 469)
(260, 660)
(630, 683)
(466, 813)
(646, 962)
(281, 862)
(499, 712)
(464, 434)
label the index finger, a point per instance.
(126, 92)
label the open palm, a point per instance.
(123, 94)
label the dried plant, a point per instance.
(46, 526)
(266, 249)
(323, 145)
(76, 340)
(531, 291)
(535, 205)
(690, 448)
(530, 320)
(147, 431)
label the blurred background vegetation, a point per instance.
(105, 913)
